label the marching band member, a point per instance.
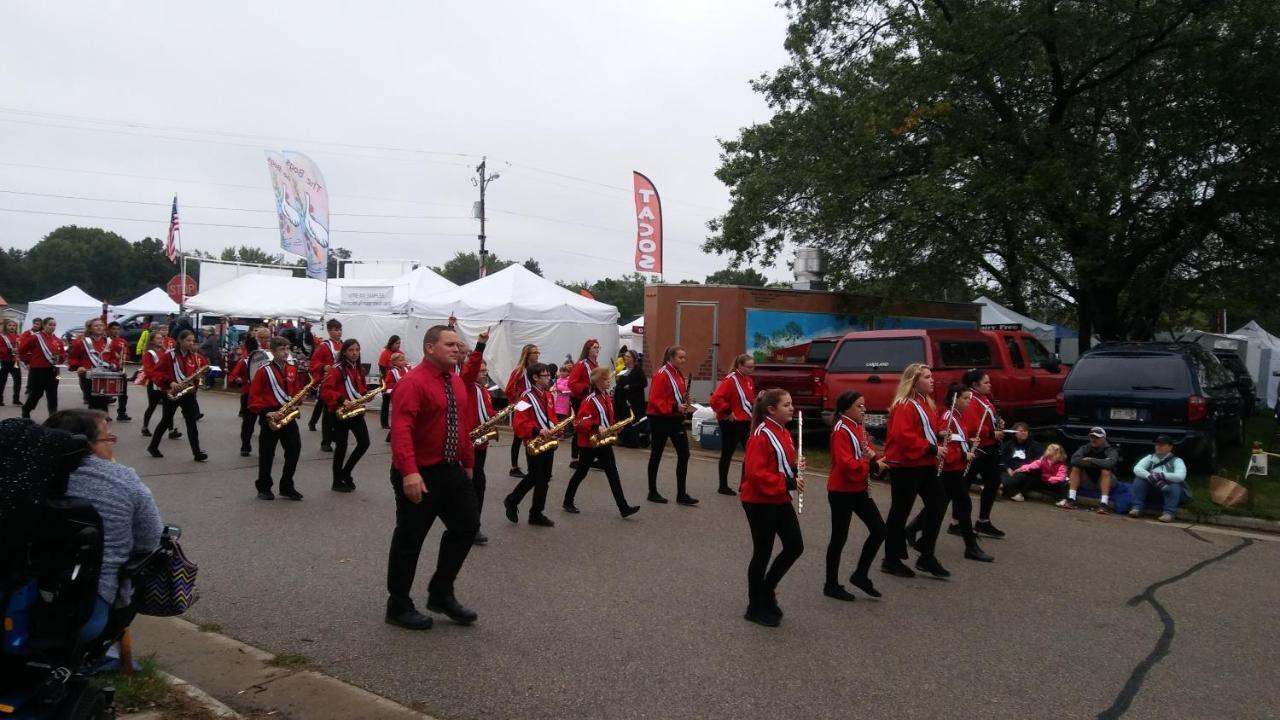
(91, 352)
(534, 417)
(120, 349)
(595, 412)
(475, 375)
(239, 377)
(150, 376)
(384, 369)
(982, 422)
(342, 384)
(431, 464)
(912, 452)
(395, 373)
(580, 384)
(731, 402)
(273, 386)
(176, 366)
(770, 472)
(959, 454)
(520, 381)
(852, 456)
(42, 351)
(326, 356)
(9, 340)
(668, 402)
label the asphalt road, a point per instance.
(1080, 616)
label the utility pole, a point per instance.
(482, 181)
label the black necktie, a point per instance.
(451, 420)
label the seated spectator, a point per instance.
(1164, 470)
(131, 524)
(1097, 461)
(1047, 473)
(1018, 450)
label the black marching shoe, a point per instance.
(771, 602)
(200, 456)
(174, 434)
(409, 619)
(726, 490)
(326, 447)
(954, 529)
(516, 472)
(311, 427)
(913, 539)
(656, 498)
(984, 527)
(864, 584)
(146, 432)
(837, 592)
(291, 494)
(686, 500)
(154, 452)
(541, 520)
(974, 552)
(340, 485)
(480, 538)
(513, 514)
(450, 606)
(350, 482)
(761, 615)
(122, 417)
(266, 495)
(573, 464)
(246, 452)
(571, 508)
(896, 568)
(930, 564)
(629, 510)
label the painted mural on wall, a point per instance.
(770, 333)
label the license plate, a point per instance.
(1124, 414)
(875, 420)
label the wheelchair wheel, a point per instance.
(83, 701)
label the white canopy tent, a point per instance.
(632, 334)
(1263, 360)
(993, 313)
(385, 296)
(153, 302)
(70, 308)
(264, 296)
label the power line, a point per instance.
(226, 225)
(219, 207)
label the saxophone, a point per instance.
(488, 430)
(537, 445)
(289, 411)
(188, 386)
(608, 435)
(355, 408)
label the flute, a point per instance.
(800, 463)
(946, 436)
(977, 437)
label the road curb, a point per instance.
(202, 698)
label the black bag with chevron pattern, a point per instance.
(165, 585)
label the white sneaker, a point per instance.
(1133, 512)
(1017, 498)
(1166, 517)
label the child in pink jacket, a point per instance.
(1048, 474)
(564, 401)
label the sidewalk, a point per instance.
(239, 676)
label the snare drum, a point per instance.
(106, 383)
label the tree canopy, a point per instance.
(464, 267)
(1108, 159)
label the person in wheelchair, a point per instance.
(131, 524)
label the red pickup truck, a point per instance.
(805, 378)
(1025, 378)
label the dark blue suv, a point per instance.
(1140, 390)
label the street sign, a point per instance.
(174, 288)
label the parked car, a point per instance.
(1244, 381)
(1025, 377)
(1137, 391)
(803, 376)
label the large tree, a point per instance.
(1105, 157)
(734, 276)
(464, 267)
(625, 293)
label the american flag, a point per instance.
(171, 245)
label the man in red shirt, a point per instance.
(431, 464)
(269, 390)
(324, 357)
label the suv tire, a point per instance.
(1207, 460)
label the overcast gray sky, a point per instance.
(396, 102)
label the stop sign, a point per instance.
(176, 283)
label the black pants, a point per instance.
(603, 456)
(905, 484)
(247, 421)
(155, 399)
(984, 467)
(385, 412)
(41, 382)
(516, 444)
(290, 440)
(664, 428)
(451, 497)
(326, 422)
(7, 368)
(341, 428)
(956, 492)
(844, 505)
(190, 410)
(732, 434)
(537, 479)
(85, 388)
(574, 450)
(122, 402)
(768, 520)
(1028, 481)
(478, 478)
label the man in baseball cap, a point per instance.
(1097, 461)
(1163, 470)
